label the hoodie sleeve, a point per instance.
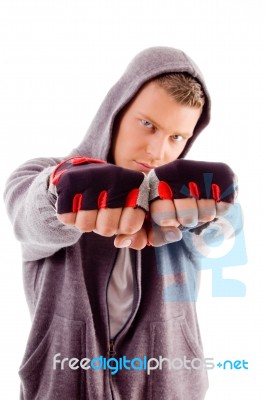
(31, 209)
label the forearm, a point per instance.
(31, 209)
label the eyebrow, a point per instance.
(184, 134)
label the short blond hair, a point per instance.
(185, 89)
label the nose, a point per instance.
(157, 146)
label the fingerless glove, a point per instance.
(82, 183)
(199, 179)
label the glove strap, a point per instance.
(58, 171)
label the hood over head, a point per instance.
(145, 66)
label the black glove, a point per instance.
(184, 178)
(82, 183)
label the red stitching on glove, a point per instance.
(194, 191)
(102, 199)
(164, 190)
(74, 161)
(56, 178)
(77, 202)
(131, 199)
(216, 192)
(57, 167)
(86, 160)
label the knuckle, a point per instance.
(107, 231)
(207, 218)
(188, 222)
(83, 225)
(62, 218)
(65, 219)
(130, 228)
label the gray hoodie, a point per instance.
(66, 276)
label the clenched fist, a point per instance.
(100, 197)
(187, 194)
(110, 200)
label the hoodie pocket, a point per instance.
(180, 372)
(44, 379)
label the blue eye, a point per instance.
(146, 123)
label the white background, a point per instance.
(59, 58)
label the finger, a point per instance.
(187, 211)
(86, 220)
(67, 218)
(223, 208)
(137, 241)
(131, 220)
(206, 210)
(108, 221)
(163, 212)
(159, 236)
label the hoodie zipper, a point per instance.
(111, 352)
(113, 342)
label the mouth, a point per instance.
(144, 167)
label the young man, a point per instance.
(109, 262)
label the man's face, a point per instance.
(153, 130)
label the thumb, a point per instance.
(136, 241)
(159, 236)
